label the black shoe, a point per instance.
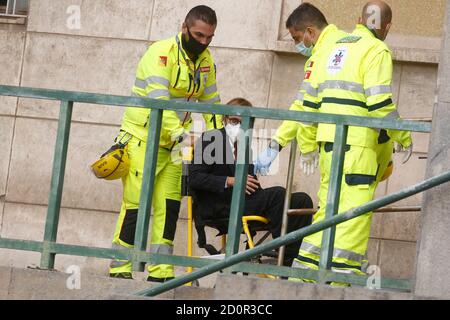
(122, 275)
(160, 280)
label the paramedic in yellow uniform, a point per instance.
(180, 68)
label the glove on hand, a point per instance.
(408, 151)
(264, 160)
(309, 161)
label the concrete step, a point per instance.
(181, 293)
(32, 284)
(237, 287)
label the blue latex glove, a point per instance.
(264, 160)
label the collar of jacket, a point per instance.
(323, 35)
(362, 31)
(183, 52)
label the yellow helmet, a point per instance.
(113, 164)
(388, 171)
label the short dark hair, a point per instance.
(239, 102)
(203, 13)
(304, 16)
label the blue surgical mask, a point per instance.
(304, 50)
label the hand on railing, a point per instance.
(407, 150)
(264, 160)
(309, 162)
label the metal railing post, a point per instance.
(238, 198)
(148, 182)
(287, 198)
(334, 192)
(57, 182)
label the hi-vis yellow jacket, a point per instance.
(166, 72)
(288, 129)
(354, 78)
(402, 137)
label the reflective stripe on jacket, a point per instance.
(306, 99)
(355, 79)
(402, 137)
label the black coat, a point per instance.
(213, 163)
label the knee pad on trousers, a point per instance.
(128, 229)
(170, 225)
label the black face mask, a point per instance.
(193, 46)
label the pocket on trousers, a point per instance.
(133, 181)
(359, 179)
(360, 166)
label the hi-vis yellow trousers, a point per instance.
(358, 187)
(166, 206)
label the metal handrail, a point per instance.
(306, 212)
(295, 235)
(49, 248)
(265, 113)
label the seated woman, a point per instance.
(211, 181)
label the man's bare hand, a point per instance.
(230, 182)
(251, 186)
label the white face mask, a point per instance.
(232, 131)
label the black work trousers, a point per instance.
(269, 204)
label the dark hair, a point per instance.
(203, 13)
(304, 16)
(239, 102)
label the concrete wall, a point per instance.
(254, 61)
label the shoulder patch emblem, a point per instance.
(163, 60)
(349, 39)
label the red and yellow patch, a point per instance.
(163, 60)
(307, 75)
